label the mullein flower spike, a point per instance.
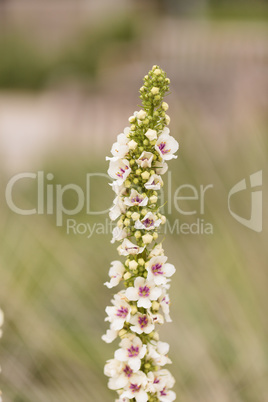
(138, 161)
(1, 323)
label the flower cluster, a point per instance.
(1, 323)
(137, 164)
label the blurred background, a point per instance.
(70, 71)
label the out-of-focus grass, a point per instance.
(53, 295)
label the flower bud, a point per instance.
(122, 333)
(144, 211)
(137, 234)
(133, 265)
(141, 114)
(153, 199)
(141, 261)
(147, 238)
(157, 71)
(167, 118)
(127, 275)
(145, 175)
(163, 219)
(132, 144)
(155, 235)
(132, 119)
(165, 106)
(127, 183)
(155, 90)
(127, 222)
(135, 216)
(134, 310)
(155, 305)
(151, 134)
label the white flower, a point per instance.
(119, 170)
(136, 388)
(147, 238)
(126, 132)
(154, 183)
(119, 313)
(166, 395)
(132, 144)
(149, 222)
(123, 137)
(118, 189)
(132, 351)
(120, 400)
(158, 352)
(142, 323)
(110, 336)
(136, 198)
(116, 273)
(127, 247)
(118, 234)
(151, 134)
(160, 167)
(141, 114)
(159, 380)
(143, 292)
(121, 374)
(145, 159)
(118, 151)
(165, 303)
(117, 209)
(166, 146)
(157, 250)
(159, 270)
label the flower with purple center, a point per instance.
(119, 170)
(143, 292)
(136, 199)
(159, 270)
(142, 323)
(155, 182)
(132, 351)
(127, 247)
(136, 388)
(166, 146)
(149, 222)
(119, 313)
(128, 371)
(115, 273)
(159, 381)
(166, 395)
(145, 160)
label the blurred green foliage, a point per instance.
(53, 296)
(23, 63)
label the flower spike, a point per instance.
(137, 164)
